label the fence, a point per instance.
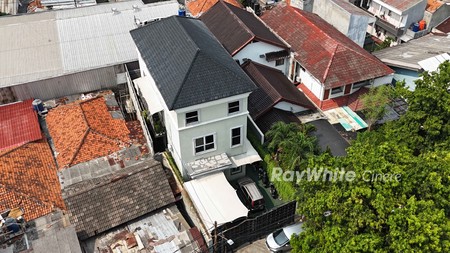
(253, 229)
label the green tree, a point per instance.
(409, 213)
(375, 102)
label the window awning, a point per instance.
(273, 56)
(248, 157)
(149, 95)
(215, 200)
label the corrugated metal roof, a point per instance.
(43, 45)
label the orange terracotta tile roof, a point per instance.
(29, 180)
(84, 130)
(18, 124)
(198, 7)
(433, 5)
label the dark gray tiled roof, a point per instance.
(187, 62)
(235, 27)
(99, 204)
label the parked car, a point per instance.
(253, 197)
(279, 240)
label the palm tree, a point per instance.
(296, 150)
(278, 134)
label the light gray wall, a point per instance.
(434, 19)
(77, 83)
(415, 13)
(353, 26)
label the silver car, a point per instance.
(278, 241)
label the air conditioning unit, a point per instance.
(262, 56)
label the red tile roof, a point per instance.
(433, 5)
(29, 180)
(198, 7)
(327, 54)
(18, 124)
(85, 130)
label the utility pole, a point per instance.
(215, 237)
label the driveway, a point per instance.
(257, 246)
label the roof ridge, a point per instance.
(107, 137)
(329, 65)
(235, 17)
(79, 146)
(184, 79)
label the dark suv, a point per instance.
(253, 197)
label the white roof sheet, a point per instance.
(215, 200)
(44, 45)
(149, 95)
(432, 64)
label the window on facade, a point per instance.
(204, 143)
(191, 117)
(233, 107)
(360, 84)
(236, 136)
(279, 62)
(337, 90)
(235, 171)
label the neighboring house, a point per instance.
(436, 13)
(395, 18)
(98, 142)
(245, 36)
(99, 204)
(404, 59)
(328, 67)
(345, 17)
(29, 180)
(202, 92)
(73, 51)
(198, 7)
(276, 94)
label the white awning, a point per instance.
(215, 200)
(248, 157)
(432, 63)
(144, 84)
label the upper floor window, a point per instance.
(191, 117)
(279, 62)
(233, 107)
(205, 143)
(360, 84)
(337, 90)
(236, 136)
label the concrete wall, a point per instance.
(253, 51)
(437, 17)
(409, 76)
(383, 80)
(416, 13)
(82, 82)
(333, 14)
(358, 28)
(311, 83)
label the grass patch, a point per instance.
(286, 190)
(174, 167)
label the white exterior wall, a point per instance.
(289, 107)
(312, 84)
(253, 50)
(383, 80)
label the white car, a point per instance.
(279, 240)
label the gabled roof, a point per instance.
(18, 124)
(273, 87)
(100, 204)
(187, 62)
(401, 5)
(29, 180)
(235, 27)
(327, 54)
(85, 130)
(198, 7)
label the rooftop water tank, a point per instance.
(38, 105)
(12, 225)
(415, 27)
(422, 25)
(182, 12)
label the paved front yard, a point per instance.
(257, 246)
